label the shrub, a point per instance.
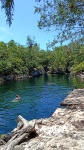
(78, 68)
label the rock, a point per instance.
(75, 98)
(1, 80)
(62, 131)
(81, 75)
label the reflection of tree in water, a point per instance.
(32, 80)
(60, 79)
(46, 77)
(37, 98)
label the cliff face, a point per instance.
(64, 130)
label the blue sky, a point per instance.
(23, 25)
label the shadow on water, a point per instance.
(39, 98)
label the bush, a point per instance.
(78, 68)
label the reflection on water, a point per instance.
(39, 98)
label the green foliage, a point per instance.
(66, 17)
(8, 6)
(79, 68)
(17, 59)
(66, 57)
(2, 135)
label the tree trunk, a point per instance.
(23, 130)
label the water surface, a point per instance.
(39, 98)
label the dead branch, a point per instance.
(23, 130)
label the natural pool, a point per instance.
(39, 98)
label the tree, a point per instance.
(30, 42)
(8, 6)
(66, 17)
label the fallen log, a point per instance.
(23, 130)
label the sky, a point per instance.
(24, 24)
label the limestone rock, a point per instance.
(64, 130)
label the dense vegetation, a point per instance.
(17, 59)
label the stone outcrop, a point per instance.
(1, 80)
(64, 130)
(81, 75)
(75, 98)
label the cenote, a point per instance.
(39, 98)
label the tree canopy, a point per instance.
(8, 6)
(64, 16)
(16, 59)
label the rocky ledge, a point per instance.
(81, 75)
(64, 130)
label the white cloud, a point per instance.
(5, 34)
(5, 30)
(2, 37)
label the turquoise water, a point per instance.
(39, 98)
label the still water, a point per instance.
(39, 98)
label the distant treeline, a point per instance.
(18, 59)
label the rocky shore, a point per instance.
(35, 73)
(64, 130)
